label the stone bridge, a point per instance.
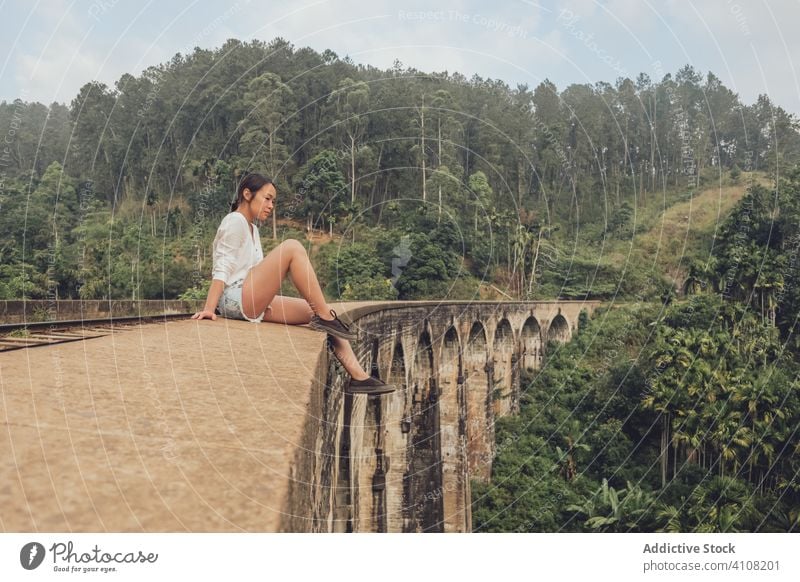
(402, 462)
(230, 426)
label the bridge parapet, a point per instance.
(232, 426)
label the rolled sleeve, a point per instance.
(227, 248)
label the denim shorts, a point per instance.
(230, 303)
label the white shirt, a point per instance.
(236, 249)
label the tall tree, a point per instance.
(352, 102)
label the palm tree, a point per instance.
(567, 458)
(626, 510)
(723, 505)
(696, 279)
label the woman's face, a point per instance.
(263, 202)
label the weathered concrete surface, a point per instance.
(179, 426)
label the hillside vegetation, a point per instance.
(463, 186)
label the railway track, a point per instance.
(18, 336)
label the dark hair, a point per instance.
(253, 182)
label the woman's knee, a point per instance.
(293, 246)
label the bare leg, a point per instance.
(345, 354)
(295, 311)
(289, 311)
(264, 280)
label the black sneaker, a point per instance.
(334, 327)
(369, 386)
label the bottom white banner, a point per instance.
(388, 557)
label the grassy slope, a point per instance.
(683, 230)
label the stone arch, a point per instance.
(374, 369)
(479, 415)
(422, 482)
(453, 413)
(531, 344)
(370, 496)
(503, 362)
(397, 429)
(559, 329)
(449, 371)
(427, 335)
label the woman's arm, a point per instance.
(214, 293)
(230, 236)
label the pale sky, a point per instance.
(49, 49)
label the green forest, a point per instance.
(676, 409)
(478, 188)
(671, 416)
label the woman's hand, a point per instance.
(205, 314)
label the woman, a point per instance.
(245, 283)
